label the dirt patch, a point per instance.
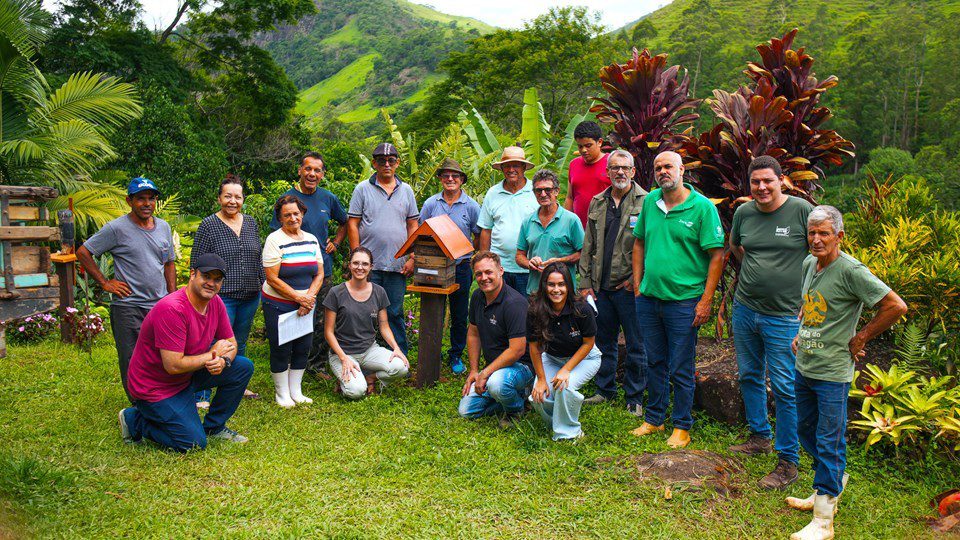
(691, 469)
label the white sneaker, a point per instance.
(281, 383)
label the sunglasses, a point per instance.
(385, 160)
(544, 190)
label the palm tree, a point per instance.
(57, 137)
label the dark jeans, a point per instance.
(125, 321)
(395, 284)
(319, 350)
(240, 313)
(290, 355)
(517, 280)
(822, 423)
(174, 422)
(459, 301)
(670, 341)
(616, 310)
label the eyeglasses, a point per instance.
(450, 176)
(616, 168)
(544, 190)
(360, 264)
(385, 161)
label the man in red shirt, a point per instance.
(588, 173)
(186, 344)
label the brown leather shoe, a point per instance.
(646, 429)
(784, 474)
(680, 438)
(755, 445)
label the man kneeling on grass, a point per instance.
(173, 359)
(498, 327)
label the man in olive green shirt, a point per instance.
(677, 263)
(835, 289)
(769, 236)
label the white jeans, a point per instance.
(376, 360)
(561, 410)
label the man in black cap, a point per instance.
(464, 211)
(174, 359)
(144, 268)
(383, 213)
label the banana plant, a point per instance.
(535, 131)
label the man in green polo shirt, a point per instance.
(552, 234)
(677, 263)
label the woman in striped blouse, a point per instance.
(293, 263)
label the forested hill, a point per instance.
(352, 58)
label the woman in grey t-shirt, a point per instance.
(356, 309)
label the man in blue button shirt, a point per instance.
(322, 206)
(464, 211)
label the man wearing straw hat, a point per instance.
(505, 207)
(464, 211)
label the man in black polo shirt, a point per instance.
(498, 327)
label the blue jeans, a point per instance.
(395, 284)
(822, 425)
(517, 281)
(174, 422)
(616, 310)
(763, 344)
(506, 390)
(459, 305)
(560, 411)
(670, 341)
(240, 313)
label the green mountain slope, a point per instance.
(353, 58)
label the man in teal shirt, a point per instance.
(551, 234)
(505, 206)
(677, 263)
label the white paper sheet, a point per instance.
(290, 326)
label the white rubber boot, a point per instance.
(821, 526)
(296, 380)
(281, 382)
(806, 505)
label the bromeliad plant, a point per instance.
(650, 107)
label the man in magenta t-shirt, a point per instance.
(588, 173)
(186, 344)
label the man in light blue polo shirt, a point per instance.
(383, 213)
(464, 211)
(550, 235)
(505, 206)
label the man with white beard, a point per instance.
(606, 274)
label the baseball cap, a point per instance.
(210, 261)
(139, 184)
(385, 149)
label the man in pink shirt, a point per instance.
(186, 344)
(588, 173)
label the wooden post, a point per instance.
(65, 271)
(433, 306)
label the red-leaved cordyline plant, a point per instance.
(648, 106)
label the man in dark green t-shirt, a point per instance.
(677, 262)
(769, 236)
(835, 289)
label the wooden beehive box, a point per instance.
(436, 246)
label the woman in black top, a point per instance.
(561, 332)
(233, 236)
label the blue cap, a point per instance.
(139, 184)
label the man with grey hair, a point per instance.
(835, 289)
(552, 234)
(606, 274)
(769, 236)
(677, 263)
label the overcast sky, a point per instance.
(502, 13)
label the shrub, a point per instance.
(883, 162)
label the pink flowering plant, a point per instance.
(86, 325)
(412, 324)
(32, 329)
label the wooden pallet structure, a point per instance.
(436, 244)
(27, 284)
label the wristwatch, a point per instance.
(227, 362)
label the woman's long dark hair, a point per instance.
(541, 309)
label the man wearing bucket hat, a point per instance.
(464, 211)
(505, 207)
(383, 213)
(143, 263)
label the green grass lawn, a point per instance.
(397, 465)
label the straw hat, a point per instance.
(513, 153)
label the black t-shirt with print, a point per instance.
(499, 321)
(566, 331)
